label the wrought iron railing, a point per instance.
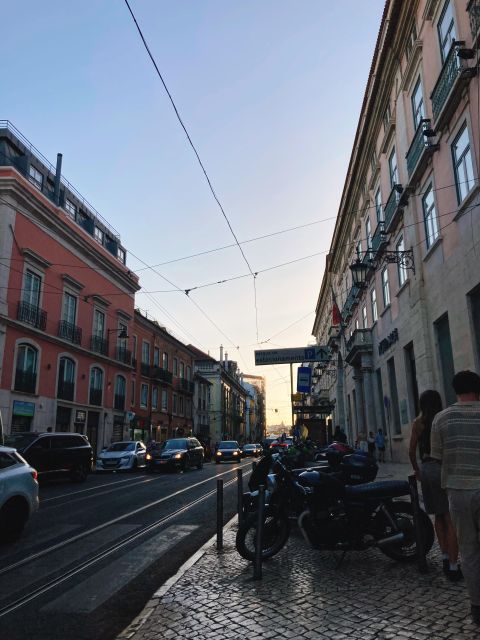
(65, 390)
(69, 331)
(144, 368)
(161, 374)
(99, 345)
(350, 302)
(32, 314)
(450, 71)
(119, 402)
(95, 397)
(379, 238)
(25, 381)
(184, 385)
(392, 204)
(123, 355)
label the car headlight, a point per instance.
(148, 456)
(177, 456)
(124, 458)
(235, 453)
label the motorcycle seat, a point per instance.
(382, 489)
(327, 481)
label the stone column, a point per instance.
(340, 405)
(357, 376)
(369, 397)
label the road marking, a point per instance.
(89, 594)
(98, 486)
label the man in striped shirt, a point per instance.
(455, 440)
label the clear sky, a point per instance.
(270, 92)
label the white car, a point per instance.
(18, 494)
(122, 456)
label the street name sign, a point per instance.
(304, 379)
(287, 356)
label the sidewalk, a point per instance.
(302, 595)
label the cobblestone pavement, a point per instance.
(303, 595)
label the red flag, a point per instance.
(336, 315)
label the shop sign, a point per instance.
(387, 342)
(26, 409)
(80, 415)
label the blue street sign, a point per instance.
(304, 379)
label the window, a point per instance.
(189, 373)
(69, 310)
(357, 324)
(368, 233)
(134, 347)
(155, 398)
(96, 386)
(174, 408)
(364, 316)
(70, 208)
(387, 116)
(462, 160)
(182, 370)
(418, 108)
(98, 323)
(410, 41)
(120, 391)
(430, 217)
(66, 379)
(164, 400)
(26, 369)
(378, 205)
(144, 395)
(385, 287)
(156, 357)
(98, 235)
(402, 270)
(132, 391)
(31, 289)
(181, 408)
(121, 255)
(175, 367)
(373, 301)
(35, 177)
(446, 30)
(165, 361)
(145, 352)
(122, 342)
(392, 167)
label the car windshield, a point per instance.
(178, 443)
(249, 446)
(228, 445)
(19, 440)
(122, 446)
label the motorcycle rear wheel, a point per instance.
(406, 551)
(275, 535)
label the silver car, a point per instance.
(122, 456)
(18, 494)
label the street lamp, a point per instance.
(122, 333)
(359, 271)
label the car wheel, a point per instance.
(13, 517)
(200, 464)
(79, 474)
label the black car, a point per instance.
(179, 453)
(228, 450)
(53, 454)
(253, 450)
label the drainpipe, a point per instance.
(58, 175)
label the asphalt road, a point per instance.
(95, 552)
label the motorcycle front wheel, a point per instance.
(406, 551)
(275, 535)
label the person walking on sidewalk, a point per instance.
(455, 440)
(371, 444)
(380, 444)
(435, 498)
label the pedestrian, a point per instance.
(435, 499)
(371, 444)
(362, 443)
(339, 435)
(455, 440)
(380, 444)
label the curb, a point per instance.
(143, 616)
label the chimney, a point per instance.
(226, 359)
(221, 353)
(58, 175)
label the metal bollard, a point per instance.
(257, 567)
(419, 537)
(240, 496)
(219, 515)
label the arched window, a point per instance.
(66, 379)
(120, 390)
(96, 386)
(26, 369)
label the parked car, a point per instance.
(177, 453)
(53, 454)
(127, 455)
(228, 450)
(253, 450)
(18, 494)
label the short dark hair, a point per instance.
(466, 382)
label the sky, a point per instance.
(270, 92)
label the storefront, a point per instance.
(22, 416)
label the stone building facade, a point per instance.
(409, 221)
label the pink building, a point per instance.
(66, 303)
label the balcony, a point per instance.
(95, 397)
(31, 314)
(65, 390)
(473, 9)
(181, 384)
(119, 402)
(123, 355)
(455, 74)
(350, 303)
(394, 207)
(99, 345)
(145, 369)
(360, 342)
(379, 240)
(69, 332)
(25, 381)
(420, 150)
(161, 374)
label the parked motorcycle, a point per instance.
(333, 515)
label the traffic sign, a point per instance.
(287, 356)
(304, 379)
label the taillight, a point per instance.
(34, 474)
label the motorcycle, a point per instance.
(333, 515)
